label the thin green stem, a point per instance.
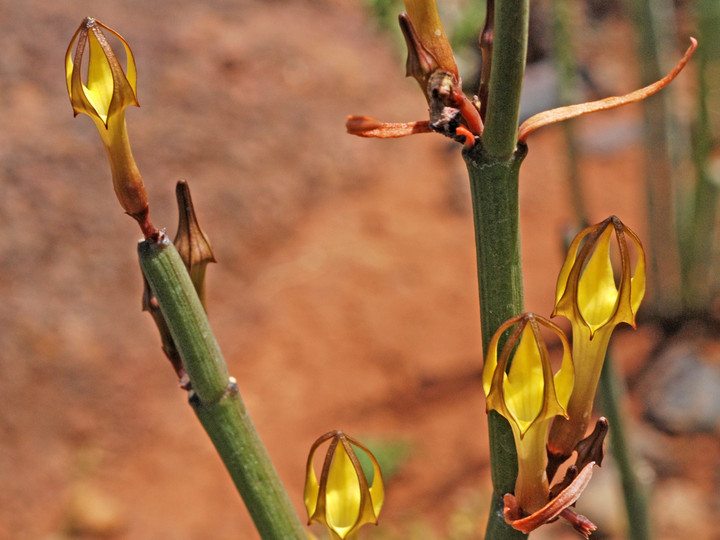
(215, 399)
(611, 395)
(493, 166)
(567, 95)
(702, 228)
(663, 140)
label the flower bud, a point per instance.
(104, 96)
(342, 500)
(430, 41)
(587, 294)
(191, 241)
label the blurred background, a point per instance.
(345, 296)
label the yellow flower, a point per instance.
(104, 96)
(529, 396)
(588, 295)
(342, 500)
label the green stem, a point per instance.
(702, 228)
(494, 188)
(663, 140)
(568, 94)
(493, 166)
(611, 395)
(216, 401)
(509, 50)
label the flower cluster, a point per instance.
(549, 412)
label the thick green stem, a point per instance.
(494, 187)
(611, 395)
(216, 401)
(493, 166)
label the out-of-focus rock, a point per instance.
(682, 389)
(679, 510)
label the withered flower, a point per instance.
(431, 62)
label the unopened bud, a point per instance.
(191, 241)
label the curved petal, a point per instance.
(524, 388)
(344, 493)
(597, 294)
(313, 502)
(563, 296)
(100, 85)
(373, 503)
(637, 288)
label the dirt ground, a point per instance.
(345, 296)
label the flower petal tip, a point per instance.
(558, 506)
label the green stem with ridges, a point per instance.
(215, 399)
(493, 166)
(506, 77)
(494, 188)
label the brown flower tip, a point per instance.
(516, 518)
(588, 449)
(191, 241)
(579, 522)
(564, 113)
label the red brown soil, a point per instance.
(345, 296)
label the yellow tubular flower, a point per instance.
(529, 396)
(103, 97)
(587, 294)
(342, 500)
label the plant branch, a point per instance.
(611, 396)
(215, 398)
(493, 166)
(509, 50)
